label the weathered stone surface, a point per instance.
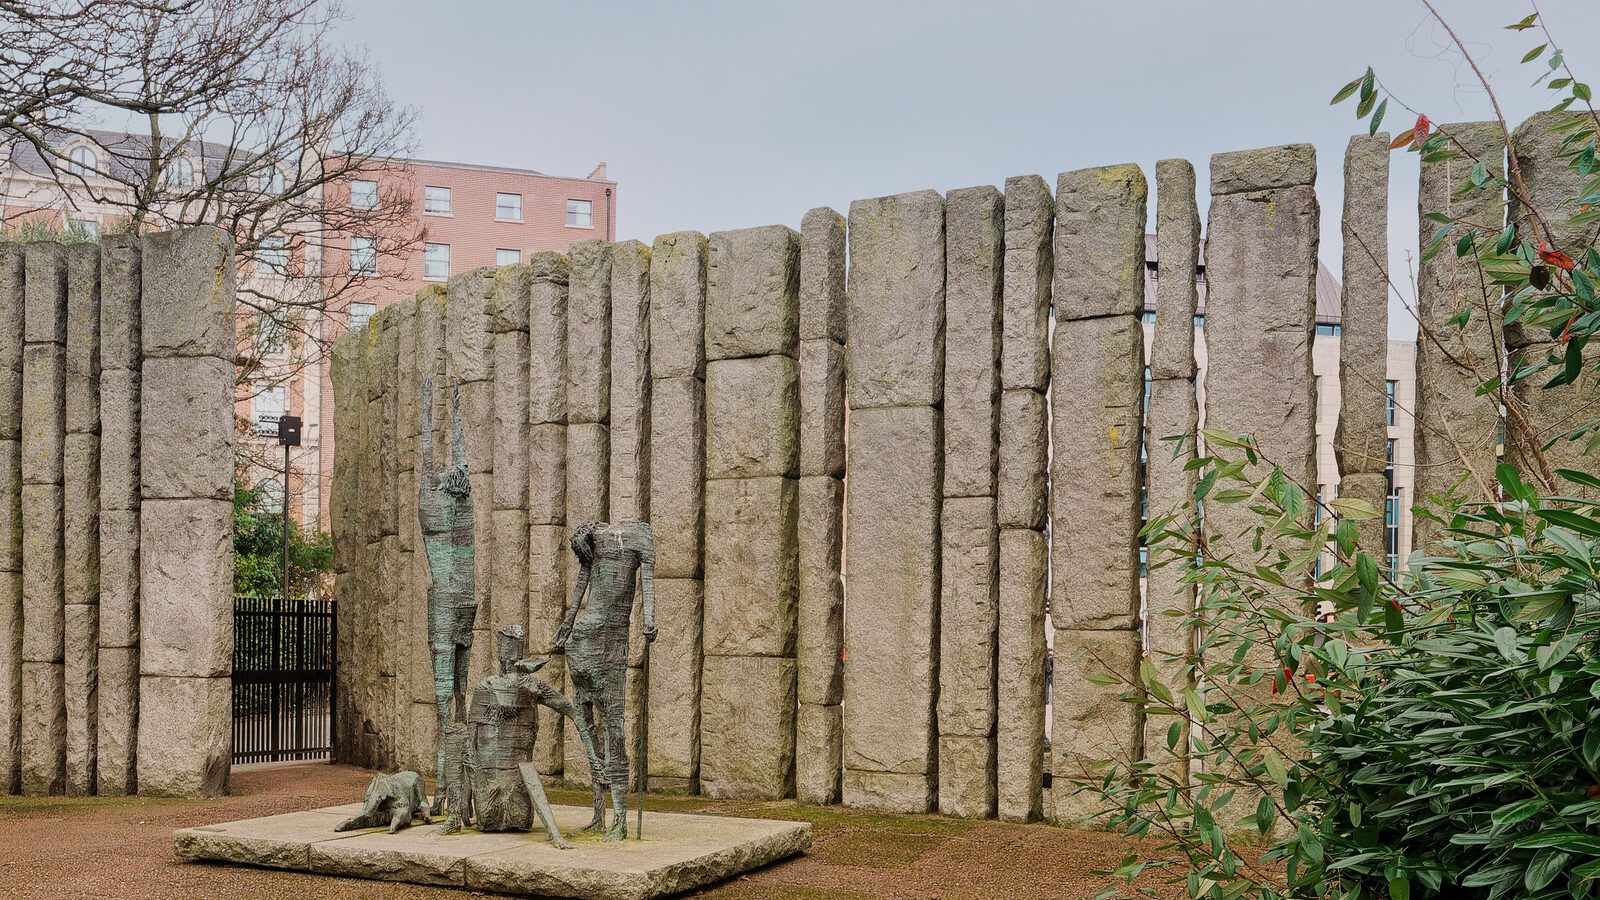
(81, 505)
(1268, 168)
(678, 305)
(752, 417)
(189, 403)
(1098, 392)
(509, 569)
(10, 507)
(1029, 268)
(1099, 242)
(675, 680)
(1362, 438)
(889, 791)
(966, 776)
(1024, 459)
(1019, 719)
(677, 474)
(747, 727)
(44, 423)
(822, 272)
(186, 588)
(477, 420)
(1371, 487)
(511, 429)
(1169, 487)
(630, 382)
(1091, 722)
(819, 744)
(119, 578)
(119, 439)
(509, 298)
(13, 309)
(589, 333)
(587, 455)
(81, 678)
(547, 474)
(547, 338)
(1177, 256)
(892, 542)
(468, 338)
(44, 729)
(119, 302)
(187, 296)
(896, 300)
(117, 721)
(10, 681)
(45, 311)
(968, 610)
(820, 629)
(974, 247)
(83, 339)
(184, 742)
(751, 566)
(822, 408)
(43, 561)
(752, 292)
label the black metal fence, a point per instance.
(283, 659)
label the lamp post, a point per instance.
(288, 436)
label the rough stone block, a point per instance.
(1024, 459)
(675, 680)
(966, 776)
(81, 678)
(83, 338)
(587, 462)
(184, 728)
(13, 305)
(896, 298)
(1029, 267)
(1177, 257)
(119, 439)
(547, 474)
(468, 340)
(968, 611)
(1371, 487)
(752, 292)
(677, 474)
(117, 721)
(1099, 242)
(974, 232)
(820, 631)
(187, 296)
(747, 727)
(43, 575)
(892, 539)
(822, 272)
(45, 311)
(1361, 439)
(678, 305)
(119, 578)
(752, 417)
(819, 745)
(44, 423)
(511, 420)
(188, 402)
(630, 382)
(547, 339)
(822, 408)
(1095, 479)
(11, 399)
(589, 333)
(510, 298)
(509, 569)
(10, 680)
(1268, 168)
(751, 566)
(889, 791)
(119, 302)
(44, 729)
(186, 588)
(1091, 722)
(477, 422)
(10, 506)
(1019, 720)
(547, 598)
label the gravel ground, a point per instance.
(122, 848)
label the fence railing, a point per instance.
(283, 661)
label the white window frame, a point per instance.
(363, 256)
(90, 227)
(272, 335)
(499, 253)
(573, 211)
(272, 256)
(79, 166)
(429, 198)
(360, 313)
(498, 217)
(269, 402)
(182, 172)
(273, 181)
(430, 259)
(365, 188)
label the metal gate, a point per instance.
(283, 659)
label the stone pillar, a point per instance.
(819, 723)
(386, 560)
(409, 751)
(547, 482)
(1361, 438)
(510, 301)
(1456, 430)
(628, 480)
(344, 495)
(1097, 393)
(186, 512)
(469, 365)
(677, 505)
(117, 719)
(12, 291)
(747, 728)
(588, 420)
(895, 358)
(1171, 424)
(969, 554)
(44, 723)
(81, 507)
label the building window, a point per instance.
(363, 194)
(436, 261)
(508, 207)
(88, 228)
(269, 406)
(580, 214)
(272, 181)
(360, 313)
(436, 201)
(504, 257)
(82, 161)
(1148, 317)
(272, 257)
(181, 173)
(271, 334)
(1331, 329)
(1200, 320)
(1389, 387)
(363, 256)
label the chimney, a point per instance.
(599, 173)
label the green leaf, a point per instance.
(1399, 888)
(1581, 91)
(1345, 92)
(1525, 24)
(1377, 117)
(1530, 57)
(1505, 640)
(1544, 868)
(1518, 811)
(1581, 478)
(1354, 508)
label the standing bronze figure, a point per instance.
(444, 512)
(595, 638)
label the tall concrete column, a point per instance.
(186, 511)
(819, 723)
(469, 367)
(81, 509)
(409, 751)
(677, 506)
(547, 481)
(510, 301)
(628, 480)
(747, 719)
(895, 358)
(1097, 395)
(12, 291)
(969, 554)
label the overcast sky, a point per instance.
(721, 114)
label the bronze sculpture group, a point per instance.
(486, 775)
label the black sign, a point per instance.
(289, 431)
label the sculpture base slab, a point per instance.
(679, 852)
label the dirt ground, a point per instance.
(122, 848)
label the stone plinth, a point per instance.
(679, 853)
